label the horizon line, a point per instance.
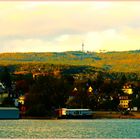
(87, 51)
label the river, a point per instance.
(95, 128)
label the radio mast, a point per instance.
(82, 55)
(82, 47)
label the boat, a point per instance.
(74, 113)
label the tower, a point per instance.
(82, 47)
(82, 55)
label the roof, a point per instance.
(21, 72)
(123, 97)
(78, 109)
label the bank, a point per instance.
(115, 115)
(96, 115)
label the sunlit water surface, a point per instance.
(98, 128)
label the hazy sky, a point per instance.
(63, 26)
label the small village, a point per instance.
(80, 92)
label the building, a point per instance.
(9, 113)
(127, 89)
(38, 74)
(74, 113)
(124, 102)
(55, 73)
(2, 88)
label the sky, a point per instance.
(63, 26)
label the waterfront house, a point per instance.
(124, 102)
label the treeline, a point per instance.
(75, 70)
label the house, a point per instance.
(2, 91)
(73, 94)
(55, 73)
(124, 102)
(90, 89)
(2, 88)
(38, 74)
(21, 100)
(127, 89)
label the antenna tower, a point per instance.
(82, 47)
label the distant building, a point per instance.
(2, 88)
(9, 113)
(90, 89)
(55, 73)
(73, 93)
(21, 99)
(127, 89)
(124, 102)
(38, 74)
(21, 72)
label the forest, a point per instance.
(127, 61)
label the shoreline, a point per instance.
(96, 115)
(116, 115)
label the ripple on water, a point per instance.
(99, 128)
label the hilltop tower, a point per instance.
(82, 47)
(82, 55)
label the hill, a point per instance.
(127, 61)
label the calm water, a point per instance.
(103, 128)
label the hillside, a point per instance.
(128, 61)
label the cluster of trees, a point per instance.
(46, 94)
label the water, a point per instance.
(98, 128)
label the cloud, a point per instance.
(109, 40)
(49, 18)
(61, 26)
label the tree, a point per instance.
(6, 80)
(46, 94)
